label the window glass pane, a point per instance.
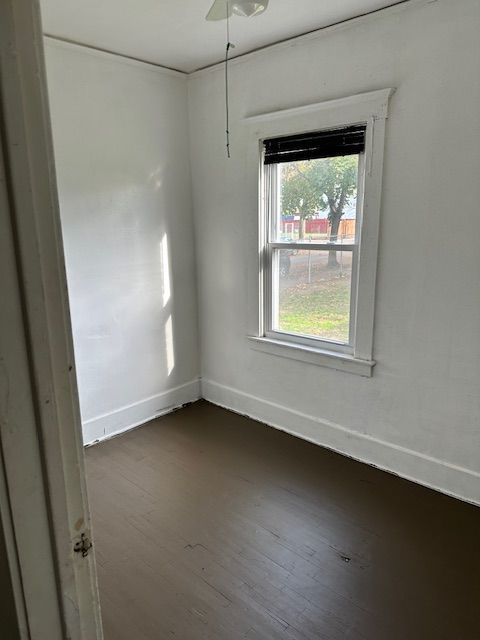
(315, 200)
(311, 293)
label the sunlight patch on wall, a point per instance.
(166, 287)
(169, 345)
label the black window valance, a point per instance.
(316, 144)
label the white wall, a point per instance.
(121, 147)
(419, 413)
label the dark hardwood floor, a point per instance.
(210, 525)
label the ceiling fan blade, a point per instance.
(249, 8)
(220, 10)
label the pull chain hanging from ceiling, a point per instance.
(229, 46)
(221, 10)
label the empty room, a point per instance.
(240, 346)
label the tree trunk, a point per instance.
(301, 229)
(332, 254)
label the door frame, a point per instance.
(43, 498)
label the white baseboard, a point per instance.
(425, 470)
(133, 415)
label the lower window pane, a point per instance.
(311, 293)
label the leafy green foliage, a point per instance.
(309, 186)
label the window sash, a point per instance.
(270, 307)
(314, 246)
(271, 311)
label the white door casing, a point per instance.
(43, 503)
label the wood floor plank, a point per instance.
(208, 525)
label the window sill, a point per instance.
(320, 357)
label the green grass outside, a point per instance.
(321, 309)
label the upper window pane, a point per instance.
(315, 200)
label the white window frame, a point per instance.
(271, 186)
(370, 109)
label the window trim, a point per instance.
(367, 108)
